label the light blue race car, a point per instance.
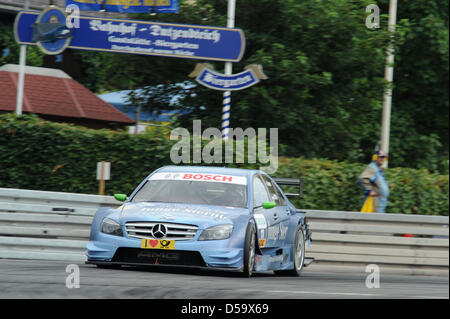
(220, 218)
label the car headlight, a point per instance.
(111, 227)
(217, 232)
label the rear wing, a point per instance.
(298, 182)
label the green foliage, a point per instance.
(326, 76)
(43, 155)
(37, 154)
(420, 119)
(325, 73)
(34, 55)
(332, 185)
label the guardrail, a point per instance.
(397, 243)
(47, 225)
(56, 226)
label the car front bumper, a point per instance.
(121, 250)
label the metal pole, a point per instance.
(21, 78)
(138, 115)
(228, 71)
(388, 76)
(101, 188)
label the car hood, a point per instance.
(200, 215)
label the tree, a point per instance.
(326, 77)
(325, 73)
(10, 51)
(420, 96)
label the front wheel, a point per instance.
(249, 250)
(298, 255)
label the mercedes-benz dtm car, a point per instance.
(223, 218)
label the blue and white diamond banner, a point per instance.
(127, 6)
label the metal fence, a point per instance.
(47, 225)
(397, 243)
(56, 226)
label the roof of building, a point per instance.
(53, 92)
(121, 100)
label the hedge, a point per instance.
(332, 185)
(43, 155)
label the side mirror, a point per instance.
(268, 205)
(120, 197)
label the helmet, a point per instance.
(378, 154)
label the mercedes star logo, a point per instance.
(159, 231)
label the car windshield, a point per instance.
(193, 192)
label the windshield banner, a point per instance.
(214, 178)
(127, 6)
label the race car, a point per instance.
(218, 218)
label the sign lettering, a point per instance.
(144, 37)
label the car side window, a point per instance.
(259, 192)
(274, 193)
(282, 201)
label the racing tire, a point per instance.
(298, 254)
(249, 250)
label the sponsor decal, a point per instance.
(261, 222)
(277, 258)
(277, 232)
(262, 242)
(215, 178)
(273, 232)
(162, 255)
(283, 231)
(157, 244)
(176, 211)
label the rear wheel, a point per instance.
(298, 255)
(249, 250)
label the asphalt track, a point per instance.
(28, 279)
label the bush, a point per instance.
(37, 154)
(331, 185)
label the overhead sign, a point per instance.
(147, 38)
(127, 6)
(217, 81)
